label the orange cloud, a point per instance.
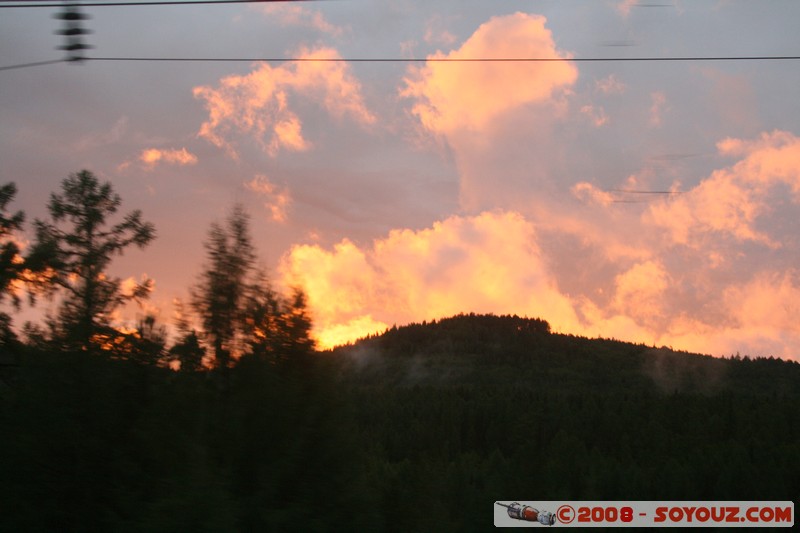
(496, 117)
(436, 32)
(493, 263)
(624, 7)
(772, 159)
(589, 193)
(287, 134)
(704, 271)
(769, 302)
(640, 293)
(486, 263)
(731, 200)
(761, 319)
(294, 15)
(128, 286)
(153, 156)
(455, 96)
(258, 103)
(658, 104)
(610, 85)
(276, 199)
(596, 114)
(338, 334)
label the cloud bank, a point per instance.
(489, 111)
(461, 263)
(685, 281)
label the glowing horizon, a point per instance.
(651, 202)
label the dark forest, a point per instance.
(240, 424)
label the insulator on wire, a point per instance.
(72, 31)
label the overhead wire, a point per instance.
(415, 59)
(5, 4)
(447, 59)
(640, 196)
(32, 64)
(639, 191)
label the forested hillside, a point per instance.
(421, 428)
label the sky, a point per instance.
(648, 201)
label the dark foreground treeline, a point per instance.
(420, 429)
(91, 444)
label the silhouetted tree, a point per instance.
(146, 343)
(187, 350)
(238, 310)
(276, 327)
(262, 311)
(295, 325)
(10, 263)
(219, 296)
(74, 250)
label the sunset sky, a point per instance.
(405, 191)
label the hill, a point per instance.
(469, 409)
(483, 350)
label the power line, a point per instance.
(440, 59)
(4, 5)
(640, 196)
(639, 191)
(411, 60)
(34, 64)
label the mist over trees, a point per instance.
(239, 424)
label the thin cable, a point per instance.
(145, 3)
(637, 191)
(395, 60)
(35, 64)
(440, 59)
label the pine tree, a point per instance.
(237, 308)
(10, 261)
(219, 296)
(74, 250)
(11, 267)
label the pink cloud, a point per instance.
(589, 193)
(674, 271)
(154, 156)
(454, 96)
(276, 199)
(596, 115)
(259, 104)
(492, 115)
(624, 7)
(437, 33)
(294, 15)
(731, 200)
(610, 85)
(459, 263)
(640, 293)
(658, 105)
